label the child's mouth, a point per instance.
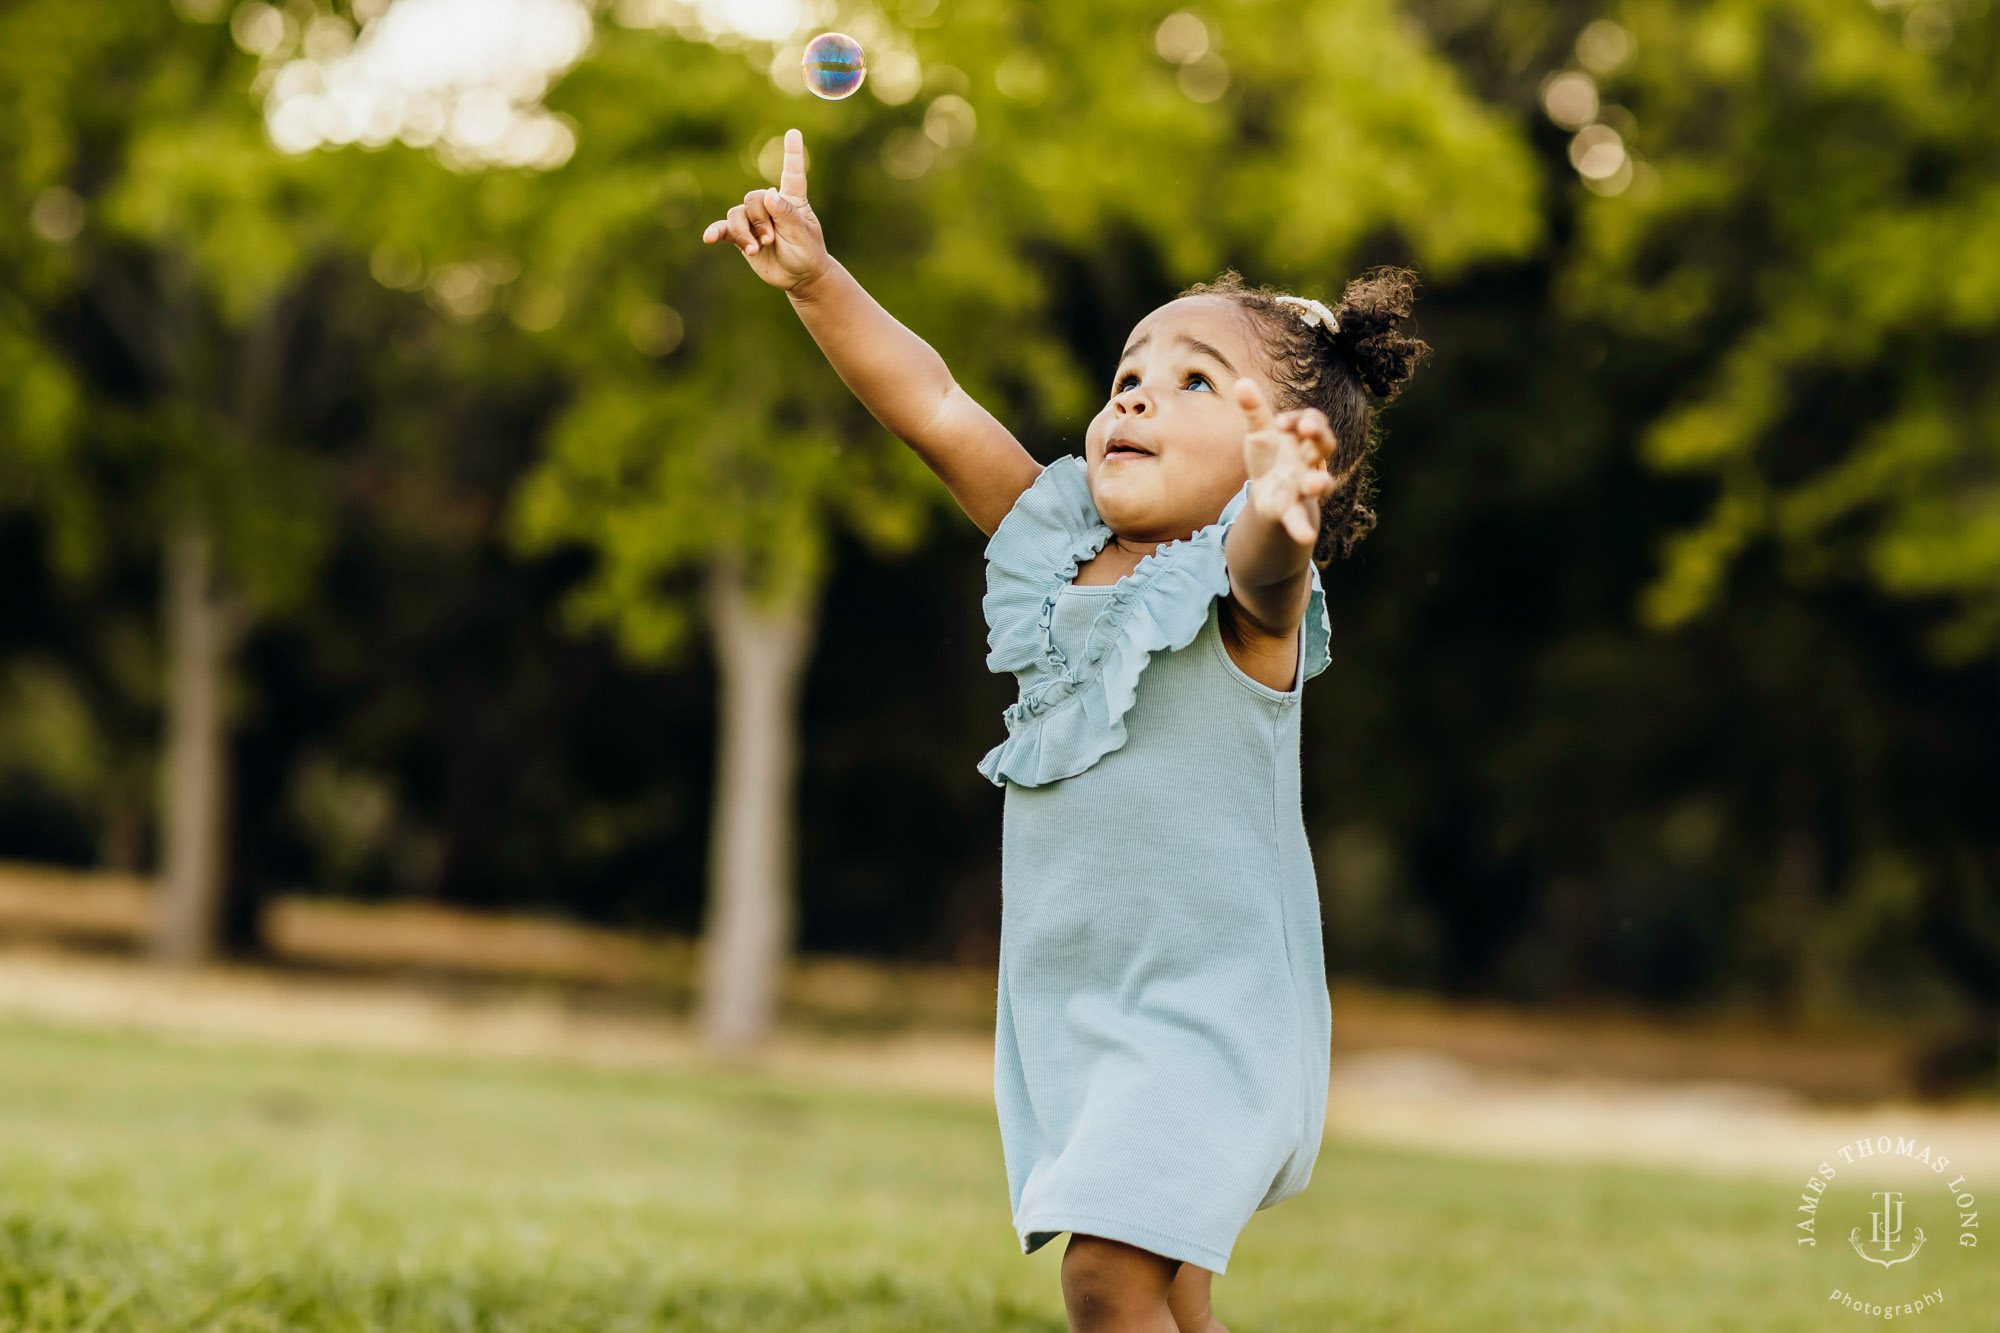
(1124, 451)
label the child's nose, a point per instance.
(1132, 400)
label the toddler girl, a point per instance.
(1163, 1028)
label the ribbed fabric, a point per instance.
(1072, 707)
(1162, 1029)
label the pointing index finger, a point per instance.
(792, 180)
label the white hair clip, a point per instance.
(1313, 312)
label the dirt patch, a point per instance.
(450, 948)
(643, 978)
(1609, 1042)
(1426, 1099)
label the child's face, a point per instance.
(1173, 397)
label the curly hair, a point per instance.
(1371, 355)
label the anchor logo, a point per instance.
(1887, 1231)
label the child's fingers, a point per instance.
(1289, 502)
(1251, 400)
(758, 217)
(787, 215)
(1265, 447)
(1280, 490)
(792, 179)
(715, 231)
(1310, 426)
(739, 231)
(1316, 429)
(1292, 512)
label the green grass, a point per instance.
(154, 1185)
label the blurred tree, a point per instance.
(1516, 784)
(1800, 214)
(1528, 787)
(1844, 398)
(708, 434)
(160, 289)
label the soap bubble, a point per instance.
(833, 65)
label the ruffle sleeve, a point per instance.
(1071, 714)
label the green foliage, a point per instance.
(142, 190)
(512, 389)
(39, 411)
(1815, 234)
(1008, 133)
(47, 731)
(702, 419)
(206, 185)
(40, 394)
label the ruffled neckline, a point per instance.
(1070, 714)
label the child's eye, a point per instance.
(1125, 382)
(1196, 377)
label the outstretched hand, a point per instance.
(776, 229)
(1286, 456)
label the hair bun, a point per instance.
(1371, 315)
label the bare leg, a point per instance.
(1111, 1287)
(1188, 1299)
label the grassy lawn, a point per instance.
(154, 1185)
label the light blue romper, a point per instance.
(1163, 1031)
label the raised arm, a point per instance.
(1270, 544)
(898, 376)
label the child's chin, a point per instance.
(1123, 479)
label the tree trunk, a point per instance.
(195, 779)
(121, 837)
(761, 656)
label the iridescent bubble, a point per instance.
(834, 67)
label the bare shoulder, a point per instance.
(1269, 658)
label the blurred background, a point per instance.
(453, 614)
(403, 508)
